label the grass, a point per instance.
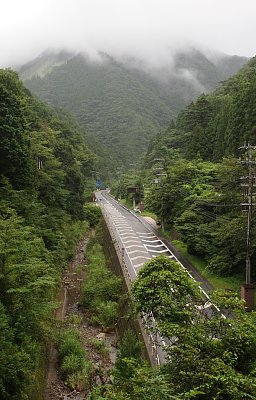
(126, 203)
(218, 282)
(101, 290)
(74, 364)
(100, 346)
(75, 319)
(147, 213)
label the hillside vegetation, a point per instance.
(199, 195)
(125, 103)
(45, 169)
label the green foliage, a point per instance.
(137, 104)
(100, 345)
(218, 124)
(15, 364)
(92, 214)
(200, 196)
(105, 314)
(15, 160)
(27, 284)
(126, 181)
(74, 366)
(130, 348)
(165, 290)
(142, 382)
(44, 166)
(200, 200)
(101, 289)
(213, 357)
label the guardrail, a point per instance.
(119, 247)
(150, 341)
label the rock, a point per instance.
(101, 336)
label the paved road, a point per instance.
(141, 241)
(136, 242)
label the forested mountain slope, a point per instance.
(217, 124)
(200, 196)
(125, 103)
(45, 167)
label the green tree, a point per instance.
(15, 160)
(163, 289)
(212, 355)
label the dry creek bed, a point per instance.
(69, 295)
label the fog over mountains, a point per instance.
(125, 101)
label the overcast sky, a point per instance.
(149, 28)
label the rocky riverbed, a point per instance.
(70, 314)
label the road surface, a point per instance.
(137, 242)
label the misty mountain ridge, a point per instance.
(125, 101)
(187, 64)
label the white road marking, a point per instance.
(144, 233)
(128, 237)
(138, 265)
(151, 241)
(155, 245)
(135, 245)
(137, 257)
(159, 251)
(137, 251)
(136, 240)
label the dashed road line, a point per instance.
(135, 245)
(155, 245)
(142, 257)
(136, 240)
(137, 251)
(151, 241)
(159, 251)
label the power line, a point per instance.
(250, 180)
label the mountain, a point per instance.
(44, 64)
(217, 124)
(214, 126)
(123, 102)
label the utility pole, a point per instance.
(247, 289)
(133, 198)
(160, 174)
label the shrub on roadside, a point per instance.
(106, 314)
(101, 289)
(92, 214)
(74, 366)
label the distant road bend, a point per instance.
(136, 242)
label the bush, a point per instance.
(69, 343)
(92, 214)
(106, 314)
(100, 285)
(74, 367)
(130, 348)
(74, 232)
(71, 364)
(101, 290)
(80, 379)
(220, 265)
(100, 346)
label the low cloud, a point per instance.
(151, 30)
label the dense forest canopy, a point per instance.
(192, 177)
(45, 168)
(124, 103)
